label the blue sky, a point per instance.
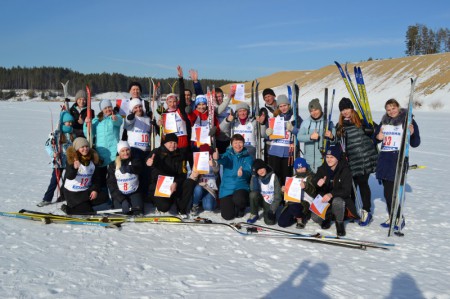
(237, 40)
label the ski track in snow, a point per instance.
(177, 261)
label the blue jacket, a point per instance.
(387, 161)
(51, 150)
(106, 133)
(231, 162)
(312, 153)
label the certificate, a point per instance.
(163, 186)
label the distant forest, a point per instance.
(49, 78)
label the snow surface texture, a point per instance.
(164, 261)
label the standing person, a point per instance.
(81, 180)
(123, 181)
(56, 147)
(280, 149)
(106, 131)
(242, 124)
(333, 181)
(298, 212)
(235, 185)
(266, 112)
(265, 193)
(361, 153)
(167, 160)
(311, 133)
(389, 132)
(79, 112)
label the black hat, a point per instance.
(268, 91)
(345, 103)
(135, 83)
(171, 137)
(258, 164)
(335, 151)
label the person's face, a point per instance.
(301, 170)
(171, 103)
(242, 113)
(107, 111)
(124, 153)
(201, 107)
(237, 146)
(392, 110)
(137, 110)
(347, 113)
(68, 123)
(219, 97)
(81, 102)
(269, 99)
(331, 161)
(284, 108)
(171, 146)
(84, 150)
(135, 92)
(188, 96)
(262, 172)
(315, 113)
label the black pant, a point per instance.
(280, 167)
(232, 205)
(362, 181)
(388, 189)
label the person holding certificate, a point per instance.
(168, 172)
(237, 171)
(333, 182)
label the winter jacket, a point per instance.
(338, 183)
(360, 150)
(50, 148)
(76, 112)
(255, 185)
(106, 133)
(75, 198)
(387, 161)
(133, 166)
(312, 150)
(231, 162)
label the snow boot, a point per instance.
(252, 218)
(340, 228)
(366, 218)
(326, 224)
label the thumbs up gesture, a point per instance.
(216, 155)
(230, 117)
(76, 164)
(150, 160)
(322, 181)
(239, 173)
(314, 135)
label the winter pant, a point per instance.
(337, 210)
(85, 207)
(233, 205)
(388, 187)
(48, 196)
(102, 173)
(184, 202)
(144, 177)
(201, 195)
(163, 204)
(188, 155)
(362, 181)
(280, 167)
(290, 213)
(133, 203)
(257, 202)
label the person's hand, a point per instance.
(194, 175)
(239, 172)
(87, 120)
(322, 181)
(269, 131)
(411, 129)
(380, 135)
(180, 72)
(93, 195)
(329, 135)
(130, 116)
(216, 155)
(80, 120)
(261, 118)
(314, 135)
(289, 126)
(150, 161)
(230, 117)
(114, 117)
(173, 187)
(76, 164)
(193, 74)
(327, 197)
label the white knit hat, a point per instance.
(122, 144)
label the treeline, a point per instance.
(49, 78)
(422, 40)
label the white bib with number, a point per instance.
(83, 180)
(127, 182)
(392, 138)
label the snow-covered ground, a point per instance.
(163, 261)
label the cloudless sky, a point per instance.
(231, 39)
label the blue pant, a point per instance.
(207, 199)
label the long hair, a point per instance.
(354, 119)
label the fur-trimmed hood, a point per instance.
(400, 119)
(72, 154)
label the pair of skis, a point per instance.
(293, 95)
(211, 97)
(326, 119)
(255, 112)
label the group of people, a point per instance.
(207, 158)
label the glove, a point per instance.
(271, 215)
(212, 131)
(130, 116)
(269, 131)
(116, 110)
(289, 126)
(188, 109)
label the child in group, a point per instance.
(79, 112)
(123, 180)
(81, 180)
(56, 146)
(298, 212)
(265, 193)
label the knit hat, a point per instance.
(133, 103)
(66, 116)
(314, 105)
(282, 99)
(268, 91)
(258, 164)
(105, 103)
(79, 142)
(170, 137)
(200, 99)
(122, 144)
(335, 151)
(300, 162)
(242, 106)
(80, 94)
(345, 103)
(135, 84)
(171, 95)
